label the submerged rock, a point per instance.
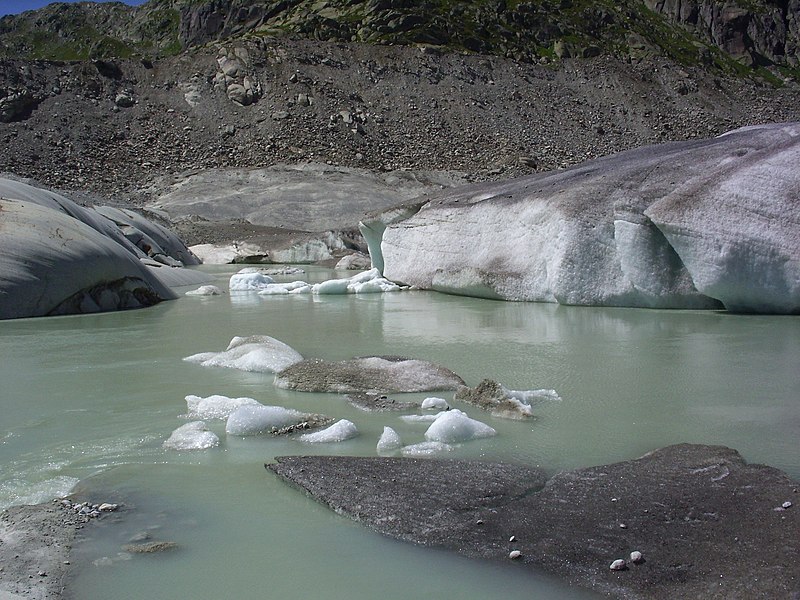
(703, 517)
(372, 374)
(696, 224)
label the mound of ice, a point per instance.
(528, 397)
(205, 290)
(389, 441)
(192, 436)
(257, 419)
(215, 406)
(364, 283)
(255, 353)
(420, 418)
(435, 403)
(424, 449)
(249, 281)
(278, 289)
(338, 432)
(455, 427)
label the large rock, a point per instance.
(57, 257)
(371, 374)
(700, 224)
(708, 524)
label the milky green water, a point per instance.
(92, 398)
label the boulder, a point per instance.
(371, 374)
(697, 224)
(696, 521)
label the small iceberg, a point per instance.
(248, 280)
(259, 419)
(205, 290)
(282, 289)
(215, 406)
(424, 449)
(389, 441)
(455, 427)
(368, 282)
(338, 432)
(192, 436)
(420, 418)
(255, 353)
(434, 403)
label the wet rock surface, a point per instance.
(690, 521)
(379, 402)
(371, 374)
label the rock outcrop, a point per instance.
(702, 224)
(702, 522)
(57, 257)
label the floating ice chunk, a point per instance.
(215, 406)
(245, 282)
(425, 449)
(374, 286)
(257, 419)
(331, 286)
(255, 353)
(420, 418)
(455, 427)
(389, 441)
(205, 290)
(530, 396)
(338, 432)
(277, 289)
(434, 403)
(192, 436)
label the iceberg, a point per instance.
(338, 432)
(455, 427)
(205, 290)
(389, 441)
(700, 224)
(434, 403)
(192, 436)
(255, 353)
(249, 281)
(420, 418)
(278, 289)
(424, 449)
(215, 406)
(257, 419)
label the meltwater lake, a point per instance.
(87, 402)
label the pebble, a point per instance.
(513, 538)
(514, 554)
(617, 565)
(636, 557)
(623, 526)
(786, 504)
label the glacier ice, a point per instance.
(192, 436)
(215, 406)
(205, 290)
(434, 403)
(256, 353)
(419, 418)
(256, 419)
(425, 449)
(695, 224)
(249, 281)
(455, 427)
(278, 289)
(389, 441)
(338, 432)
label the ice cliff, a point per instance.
(699, 224)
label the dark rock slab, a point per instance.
(379, 402)
(371, 374)
(708, 524)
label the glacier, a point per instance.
(699, 224)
